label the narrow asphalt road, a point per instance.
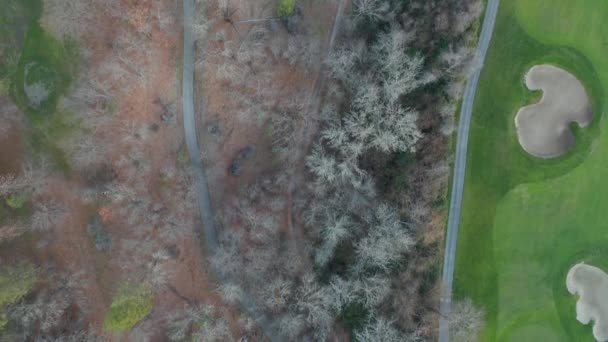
(198, 169)
(460, 167)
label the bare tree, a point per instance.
(277, 294)
(33, 179)
(163, 15)
(387, 240)
(11, 183)
(79, 336)
(343, 291)
(376, 124)
(455, 58)
(226, 10)
(42, 314)
(335, 230)
(83, 150)
(47, 214)
(291, 325)
(68, 19)
(328, 168)
(231, 293)
(465, 321)
(373, 290)
(469, 11)
(379, 330)
(371, 9)
(181, 324)
(204, 320)
(10, 231)
(9, 114)
(314, 302)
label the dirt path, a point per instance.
(314, 103)
(312, 111)
(459, 170)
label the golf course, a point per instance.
(527, 220)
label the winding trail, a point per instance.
(460, 167)
(303, 135)
(198, 169)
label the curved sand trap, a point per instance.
(542, 128)
(591, 284)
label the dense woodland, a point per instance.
(368, 215)
(338, 237)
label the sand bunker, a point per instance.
(591, 284)
(542, 128)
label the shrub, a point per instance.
(182, 156)
(286, 8)
(354, 316)
(97, 231)
(3, 322)
(130, 306)
(16, 201)
(465, 321)
(4, 86)
(15, 282)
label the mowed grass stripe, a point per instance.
(536, 221)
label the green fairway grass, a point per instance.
(526, 221)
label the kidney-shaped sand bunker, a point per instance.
(591, 285)
(543, 128)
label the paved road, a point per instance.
(198, 169)
(190, 131)
(459, 168)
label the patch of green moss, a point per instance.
(16, 282)
(3, 322)
(286, 8)
(16, 201)
(131, 305)
(4, 86)
(182, 156)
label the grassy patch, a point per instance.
(44, 60)
(55, 63)
(525, 219)
(183, 158)
(3, 322)
(36, 71)
(286, 8)
(14, 17)
(17, 200)
(129, 306)
(15, 283)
